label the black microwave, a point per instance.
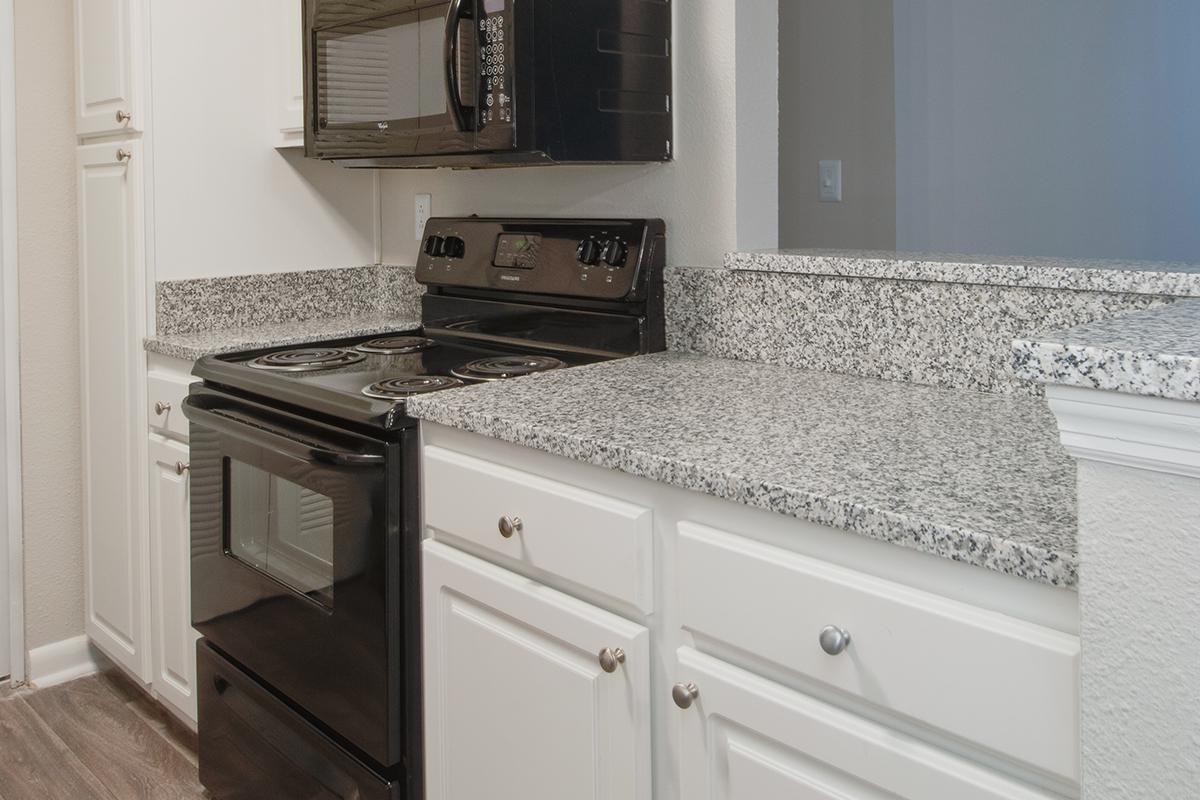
(487, 83)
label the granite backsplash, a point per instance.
(246, 301)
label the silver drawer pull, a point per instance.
(684, 694)
(611, 659)
(510, 525)
(124, 155)
(834, 640)
(161, 408)
(181, 467)
(123, 116)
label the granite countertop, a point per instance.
(972, 477)
(191, 346)
(1095, 275)
(1154, 353)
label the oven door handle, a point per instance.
(450, 51)
(276, 442)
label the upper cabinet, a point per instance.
(288, 37)
(107, 72)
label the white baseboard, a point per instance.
(63, 661)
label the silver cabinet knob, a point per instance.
(124, 155)
(181, 467)
(684, 694)
(510, 525)
(123, 116)
(611, 659)
(161, 408)
(834, 640)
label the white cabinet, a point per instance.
(518, 703)
(745, 738)
(174, 640)
(107, 67)
(286, 21)
(111, 278)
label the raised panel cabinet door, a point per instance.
(746, 738)
(174, 677)
(110, 270)
(105, 64)
(518, 702)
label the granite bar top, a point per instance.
(1092, 275)
(191, 346)
(1154, 353)
(972, 477)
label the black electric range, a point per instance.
(306, 500)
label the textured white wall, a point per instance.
(226, 202)
(1139, 543)
(46, 252)
(697, 194)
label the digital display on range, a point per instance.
(493, 6)
(517, 250)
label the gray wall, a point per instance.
(837, 102)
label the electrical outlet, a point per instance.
(831, 181)
(422, 210)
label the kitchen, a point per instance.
(843, 520)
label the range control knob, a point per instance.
(588, 252)
(615, 253)
(455, 247)
(435, 247)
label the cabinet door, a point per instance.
(746, 738)
(106, 48)
(287, 23)
(518, 706)
(174, 678)
(111, 320)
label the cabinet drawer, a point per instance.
(1002, 683)
(164, 403)
(586, 538)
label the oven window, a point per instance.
(387, 70)
(282, 529)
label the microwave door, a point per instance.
(383, 84)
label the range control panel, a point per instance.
(599, 259)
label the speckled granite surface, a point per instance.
(972, 477)
(191, 346)
(244, 301)
(940, 334)
(1135, 277)
(1154, 353)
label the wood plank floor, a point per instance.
(97, 738)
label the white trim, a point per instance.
(11, 358)
(1131, 430)
(63, 661)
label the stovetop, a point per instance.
(340, 392)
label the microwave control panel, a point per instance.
(495, 61)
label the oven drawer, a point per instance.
(589, 539)
(1002, 683)
(164, 402)
(253, 746)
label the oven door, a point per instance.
(297, 563)
(395, 84)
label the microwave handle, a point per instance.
(276, 442)
(457, 13)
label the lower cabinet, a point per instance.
(173, 655)
(746, 738)
(529, 693)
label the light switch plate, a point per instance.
(831, 181)
(422, 210)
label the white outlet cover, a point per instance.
(422, 211)
(831, 181)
